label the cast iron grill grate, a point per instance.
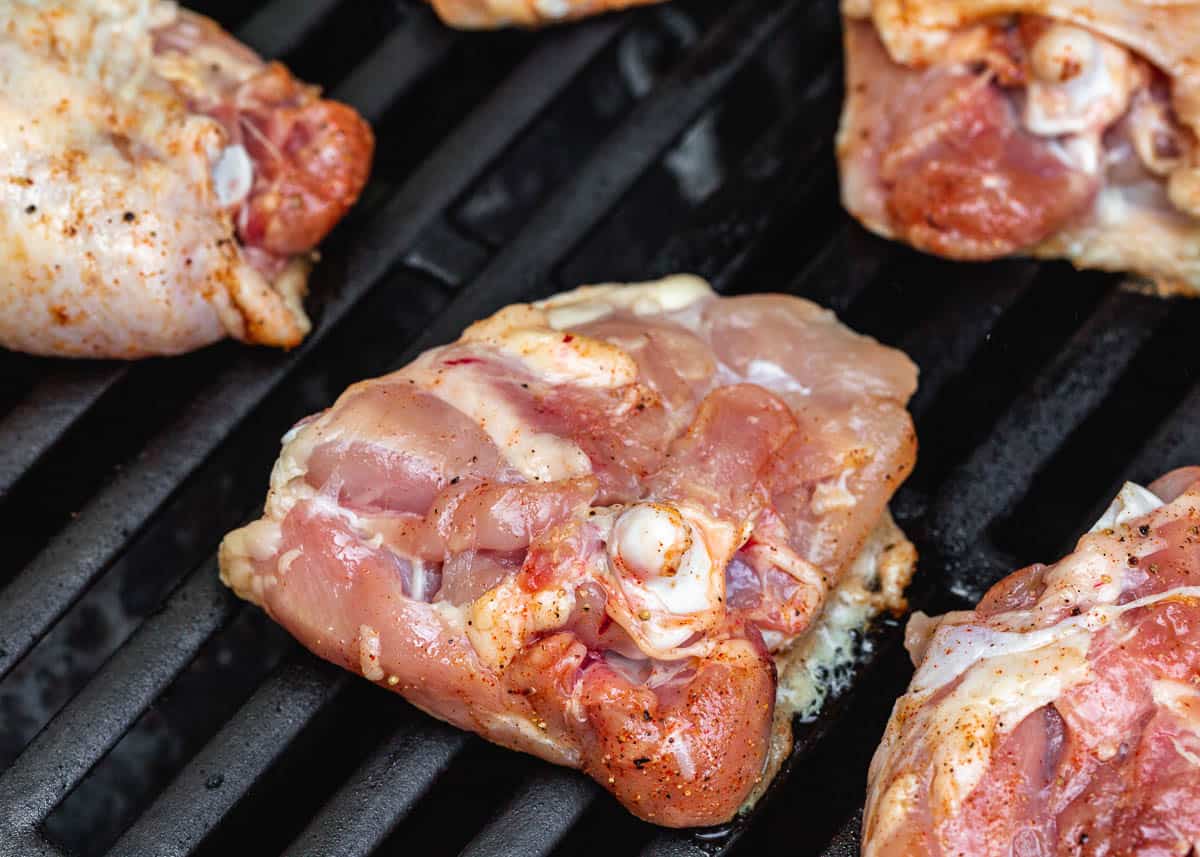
(143, 710)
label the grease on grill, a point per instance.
(821, 665)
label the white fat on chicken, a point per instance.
(538, 456)
(233, 176)
(820, 664)
(592, 303)
(504, 618)
(672, 588)
(1132, 501)
(1081, 82)
(1088, 576)
(370, 653)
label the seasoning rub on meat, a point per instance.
(1061, 716)
(592, 527)
(161, 187)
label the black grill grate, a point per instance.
(143, 710)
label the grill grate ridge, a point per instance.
(382, 791)
(240, 753)
(539, 814)
(520, 270)
(84, 730)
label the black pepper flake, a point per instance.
(1075, 611)
(641, 762)
(129, 217)
(1144, 529)
(646, 715)
(454, 481)
(30, 209)
(1132, 560)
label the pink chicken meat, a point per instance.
(1062, 715)
(585, 529)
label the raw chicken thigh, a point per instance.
(162, 187)
(585, 529)
(1062, 715)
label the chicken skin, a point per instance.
(162, 186)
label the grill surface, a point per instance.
(143, 710)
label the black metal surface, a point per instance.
(143, 710)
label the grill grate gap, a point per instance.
(470, 73)
(829, 785)
(1016, 349)
(1175, 443)
(544, 808)
(1043, 525)
(42, 412)
(18, 373)
(1032, 428)
(461, 802)
(106, 440)
(605, 829)
(230, 13)
(331, 746)
(714, 191)
(906, 292)
(330, 51)
(382, 790)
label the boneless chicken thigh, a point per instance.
(1062, 715)
(161, 187)
(584, 529)
(1049, 128)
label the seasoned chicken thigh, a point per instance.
(584, 529)
(161, 187)
(977, 130)
(489, 14)
(1062, 715)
